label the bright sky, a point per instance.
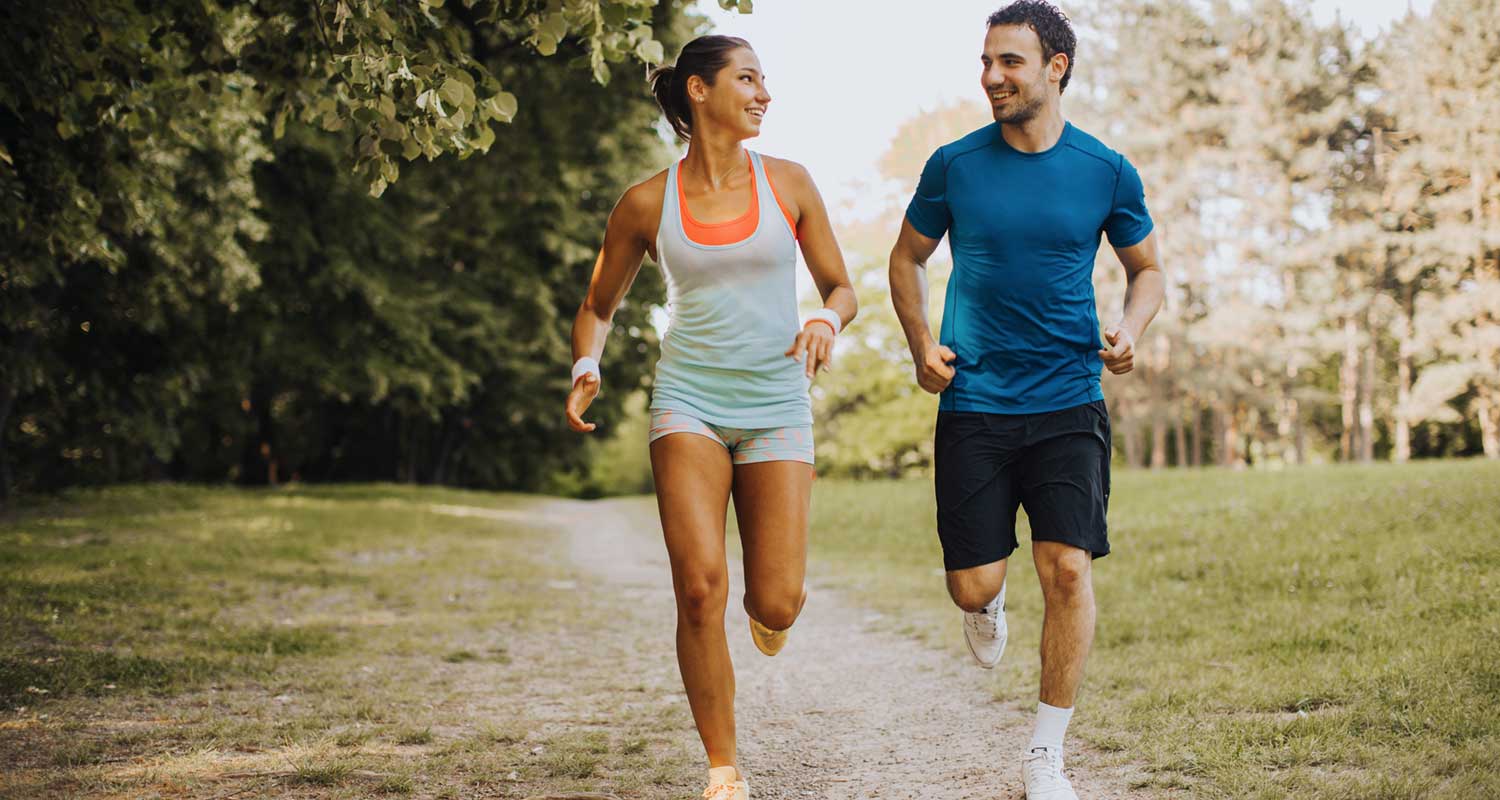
(843, 76)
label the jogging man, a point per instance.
(1021, 420)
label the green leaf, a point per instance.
(485, 138)
(546, 45)
(503, 106)
(555, 26)
(377, 187)
(453, 92)
(393, 130)
(601, 69)
(650, 51)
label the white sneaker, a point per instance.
(985, 631)
(1042, 774)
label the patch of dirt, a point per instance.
(848, 709)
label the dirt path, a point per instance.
(847, 710)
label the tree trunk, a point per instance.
(1195, 435)
(7, 402)
(1489, 422)
(1158, 403)
(258, 458)
(1257, 430)
(1402, 428)
(1179, 438)
(1289, 424)
(25, 342)
(450, 436)
(1349, 392)
(1131, 428)
(1367, 397)
(1229, 434)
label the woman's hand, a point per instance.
(813, 346)
(585, 389)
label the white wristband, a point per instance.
(827, 315)
(586, 366)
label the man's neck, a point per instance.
(1037, 134)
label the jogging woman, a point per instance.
(730, 412)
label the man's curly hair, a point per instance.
(1051, 25)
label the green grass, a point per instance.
(316, 642)
(1328, 632)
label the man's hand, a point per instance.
(934, 372)
(585, 389)
(1120, 357)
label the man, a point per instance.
(1021, 421)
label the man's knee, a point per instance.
(1066, 573)
(973, 595)
(972, 589)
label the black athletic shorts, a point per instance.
(1055, 465)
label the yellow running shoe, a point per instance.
(766, 640)
(725, 783)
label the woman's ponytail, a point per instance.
(671, 95)
(704, 57)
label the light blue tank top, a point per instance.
(733, 314)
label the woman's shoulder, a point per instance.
(786, 172)
(647, 194)
(640, 206)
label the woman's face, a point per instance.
(737, 100)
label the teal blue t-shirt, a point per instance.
(1024, 228)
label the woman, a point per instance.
(730, 411)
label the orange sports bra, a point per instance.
(735, 230)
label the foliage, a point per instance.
(187, 264)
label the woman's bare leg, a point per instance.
(693, 478)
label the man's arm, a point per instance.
(908, 277)
(1145, 287)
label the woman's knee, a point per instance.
(777, 611)
(701, 597)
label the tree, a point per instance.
(1441, 214)
(134, 239)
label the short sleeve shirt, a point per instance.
(1024, 228)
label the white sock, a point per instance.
(1000, 597)
(1051, 726)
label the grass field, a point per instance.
(344, 642)
(1313, 633)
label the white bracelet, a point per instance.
(827, 315)
(586, 366)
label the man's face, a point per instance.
(1015, 75)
